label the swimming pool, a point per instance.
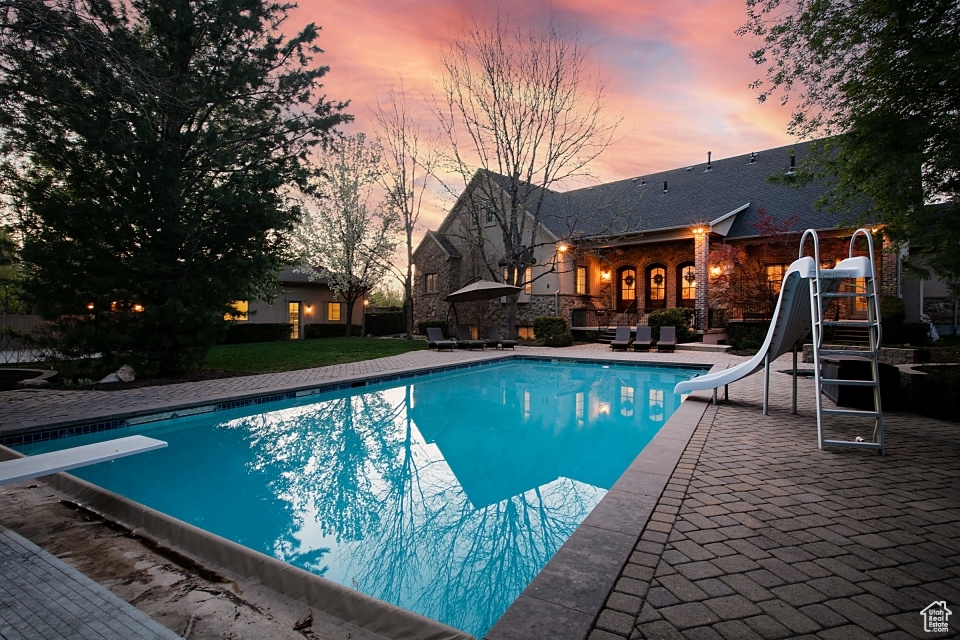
(443, 494)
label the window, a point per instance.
(293, 318)
(527, 277)
(240, 310)
(432, 283)
(657, 284)
(491, 214)
(525, 332)
(583, 286)
(333, 311)
(775, 277)
(687, 283)
(628, 285)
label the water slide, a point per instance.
(791, 322)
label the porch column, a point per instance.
(889, 272)
(701, 252)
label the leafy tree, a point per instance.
(881, 77)
(342, 237)
(522, 107)
(11, 280)
(149, 146)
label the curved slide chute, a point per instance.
(791, 322)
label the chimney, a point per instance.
(753, 157)
(709, 165)
(664, 186)
(793, 163)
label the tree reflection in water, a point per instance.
(446, 498)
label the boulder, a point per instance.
(126, 373)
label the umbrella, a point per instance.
(482, 290)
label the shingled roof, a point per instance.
(694, 195)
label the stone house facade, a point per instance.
(714, 237)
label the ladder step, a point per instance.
(852, 412)
(849, 383)
(866, 324)
(847, 443)
(846, 295)
(846, 352)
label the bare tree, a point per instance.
(523, 108)
(409, 164)
(342, 237)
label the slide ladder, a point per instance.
(825, 287)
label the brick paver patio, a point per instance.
(761, 535)
(758, 533)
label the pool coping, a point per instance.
(561, 602)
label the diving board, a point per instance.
(44, 464)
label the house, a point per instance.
(303, 299)
(714, 237)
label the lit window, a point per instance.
(240, 310)
(688, 283)
(775, 277)
(582, 283)
(628, 284)
(293, 318)
(333, 311)
(432, 283)
(525, 332)
(658, 283)
(528, 280)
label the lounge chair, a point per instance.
(668, 339)
(642, 343)
(435, 340)
(622, 341)
(493, 340)
(465, 339)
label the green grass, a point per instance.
(271, 357)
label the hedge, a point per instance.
(747, 337)
(423, 326)
(242, 333)
(546, 326)
(324, 330)
(893, 315)
(678, 317)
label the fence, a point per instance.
(12, 349)
(385, 324)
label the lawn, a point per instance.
(269, 357)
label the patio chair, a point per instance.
(668, 339)
(465, 339)
(642, 343)
(435, 340)
(622, 341)
(493, 339)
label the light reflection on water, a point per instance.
(444, 495)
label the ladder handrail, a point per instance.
(873, 266)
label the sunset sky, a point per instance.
(677, 71)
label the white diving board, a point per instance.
(44, 464)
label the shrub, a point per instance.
(242, 333)
(937, 394)
(325, 330)
(679, 317)
(915, 333)
(558, 340)
(545, 326)
(423, 326)
(893, 314)
(744, 337)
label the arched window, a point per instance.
(686, 285)
(656, 286)
(626, 288)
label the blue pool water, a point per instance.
(443, 494)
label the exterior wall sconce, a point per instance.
(562, 248)
(308, 308)
(699, 231)
(605, 275)
(138, 308)
(90, 306)
(715, 271)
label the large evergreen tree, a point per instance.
(883, 78)
(151, 145)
